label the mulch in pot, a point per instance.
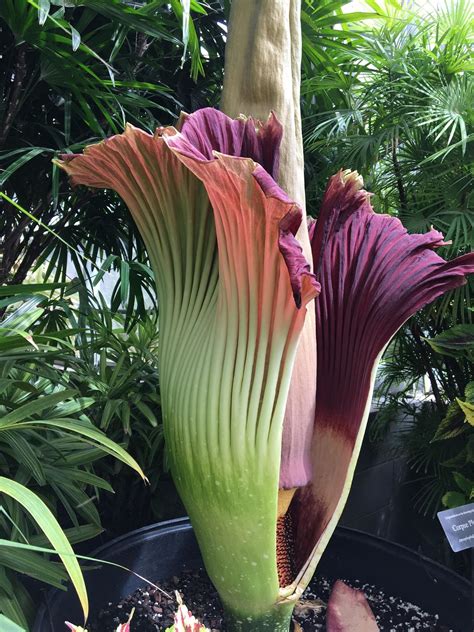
(154, 610)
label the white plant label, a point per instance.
(458, 525)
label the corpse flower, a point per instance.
(233, 286)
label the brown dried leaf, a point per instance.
(304, 606)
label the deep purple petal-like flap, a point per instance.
(349, 611)
(210, 130)
(374, 276)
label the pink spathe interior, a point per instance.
(131, 162)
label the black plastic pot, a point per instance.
(163, 550)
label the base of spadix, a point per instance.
(278, 619)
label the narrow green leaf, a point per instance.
(40, 549)
(51, 528)
(43, 11)
(25, 454)
(76, 405)
(73, 534)
(6, 625)
(12, 601)
(37, 406)
(147, 412)
(108, 412)
(105, 267)
(186, 4)
(47, 228)
(75, 38)
(124, 281)
(89, 432)
(26, 157)
(34, 565)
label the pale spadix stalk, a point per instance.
(233, 285)
(263, 74)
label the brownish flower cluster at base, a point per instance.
(285, 544)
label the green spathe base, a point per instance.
(278, 619)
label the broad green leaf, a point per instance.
(464, 484)
(452, 425)
(469, 392)
(468, 410)
(459, 460)
(458, 340)
(453, 499)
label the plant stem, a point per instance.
(423, 353)
(398, 176)
(15, 96)
(278, 619)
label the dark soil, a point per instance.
(154, 610)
